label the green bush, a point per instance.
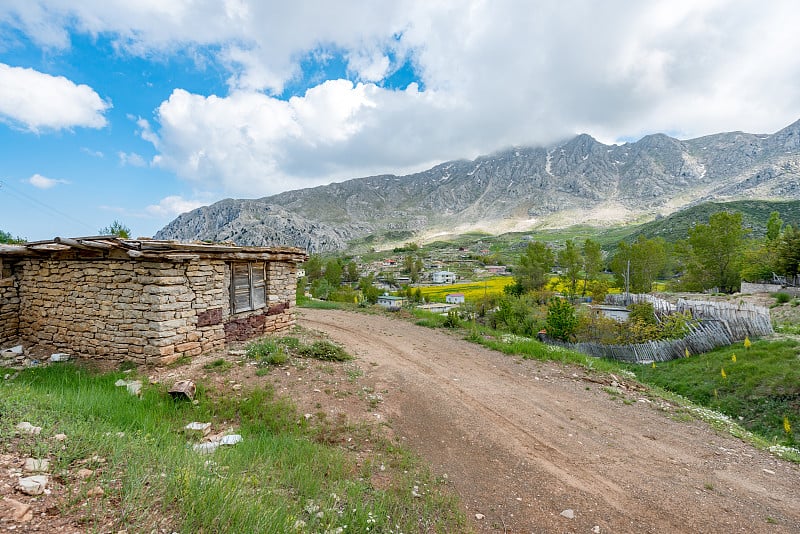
(782, 298)
(324, 350)
(267, 352)
(562, 321)
(452, 320)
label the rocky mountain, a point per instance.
(522, 188)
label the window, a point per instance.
(248, 286)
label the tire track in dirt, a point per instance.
(523, 441)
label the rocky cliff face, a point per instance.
(578, 181)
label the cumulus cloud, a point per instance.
(42, 182)
(491, 74)
(172, 206)
(36, 101)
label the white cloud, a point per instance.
(492, 74)
(42, 182)
(36, 101)
(172, 206)
(131, 158)
(94, 153)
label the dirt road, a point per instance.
(537, 447)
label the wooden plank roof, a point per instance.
(143, 248)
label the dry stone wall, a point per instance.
(9, 306)
(149, 312)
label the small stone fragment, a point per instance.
(60, 437)
(27, 428)
(237, 387)
(230, 439)
(96, 491)
(479, 516)
(33, 465)
(206, 448)
(183, 389)
(13, 509)
(596, 529)
(84, 473)
(34, 485)
(134, 386)
(59, 357)
(568, 513)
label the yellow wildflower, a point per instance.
(786, 425)
(686, 351)
(733, 358)
(723, 373)
(747, 342)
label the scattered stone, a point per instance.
(96, 491)
(27, 428)
(12, 352)
(237, 387)
(32, 465)
(596, 529)
(204, 428)
(34, 485)
(769, 471)
(60, 437)
(134, 386)
(479, 516)
(237, 352)
(308, 416)
(183, 389)
(15, 510)
(59, 357)
(206, 448)
(568, 513)
(84, 473)
(230, 439)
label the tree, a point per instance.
(333, 272)
(788, 252)
(6, 237)
(313, 268)
(562, 321)
(774, 225)
(370, 292)
(715, 252)
(351, 272)
(571, 262)
(647, 258)
(592, 262)
(534, 267)
(116, 228)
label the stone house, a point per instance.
(146, 301)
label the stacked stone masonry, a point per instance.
(148, 312)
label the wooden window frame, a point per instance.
(254, 287)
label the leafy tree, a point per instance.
(571, 262)
(368, 289)
(313, 267)
(715, 252)
(5, 237)
(562, 320)
(333, 272)
(321, 288)
(788, 252)
(116, 228)
(534, 267)
(774, 225)
(592, 262)
(647, 258)
(350, 272)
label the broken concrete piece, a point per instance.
(33, 485)
(33, 465)
(15, 510)
(59, 357)
(134, 386)
(27, 428)
(205, 428)
(183, 389)
(230, 439)
(206, 448)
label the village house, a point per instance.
(454, 298)
(444, 277)
(392, 302)
(145, 301)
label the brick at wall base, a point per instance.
(272, 320)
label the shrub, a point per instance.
(267, 352)
(562, 321)
(782, 298)
(452, 320)
(325, 350)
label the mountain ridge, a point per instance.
(580, 180)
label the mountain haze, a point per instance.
(522, 188)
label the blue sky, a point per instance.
(137, 111)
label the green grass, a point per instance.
(278, 478)
(759, 389)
